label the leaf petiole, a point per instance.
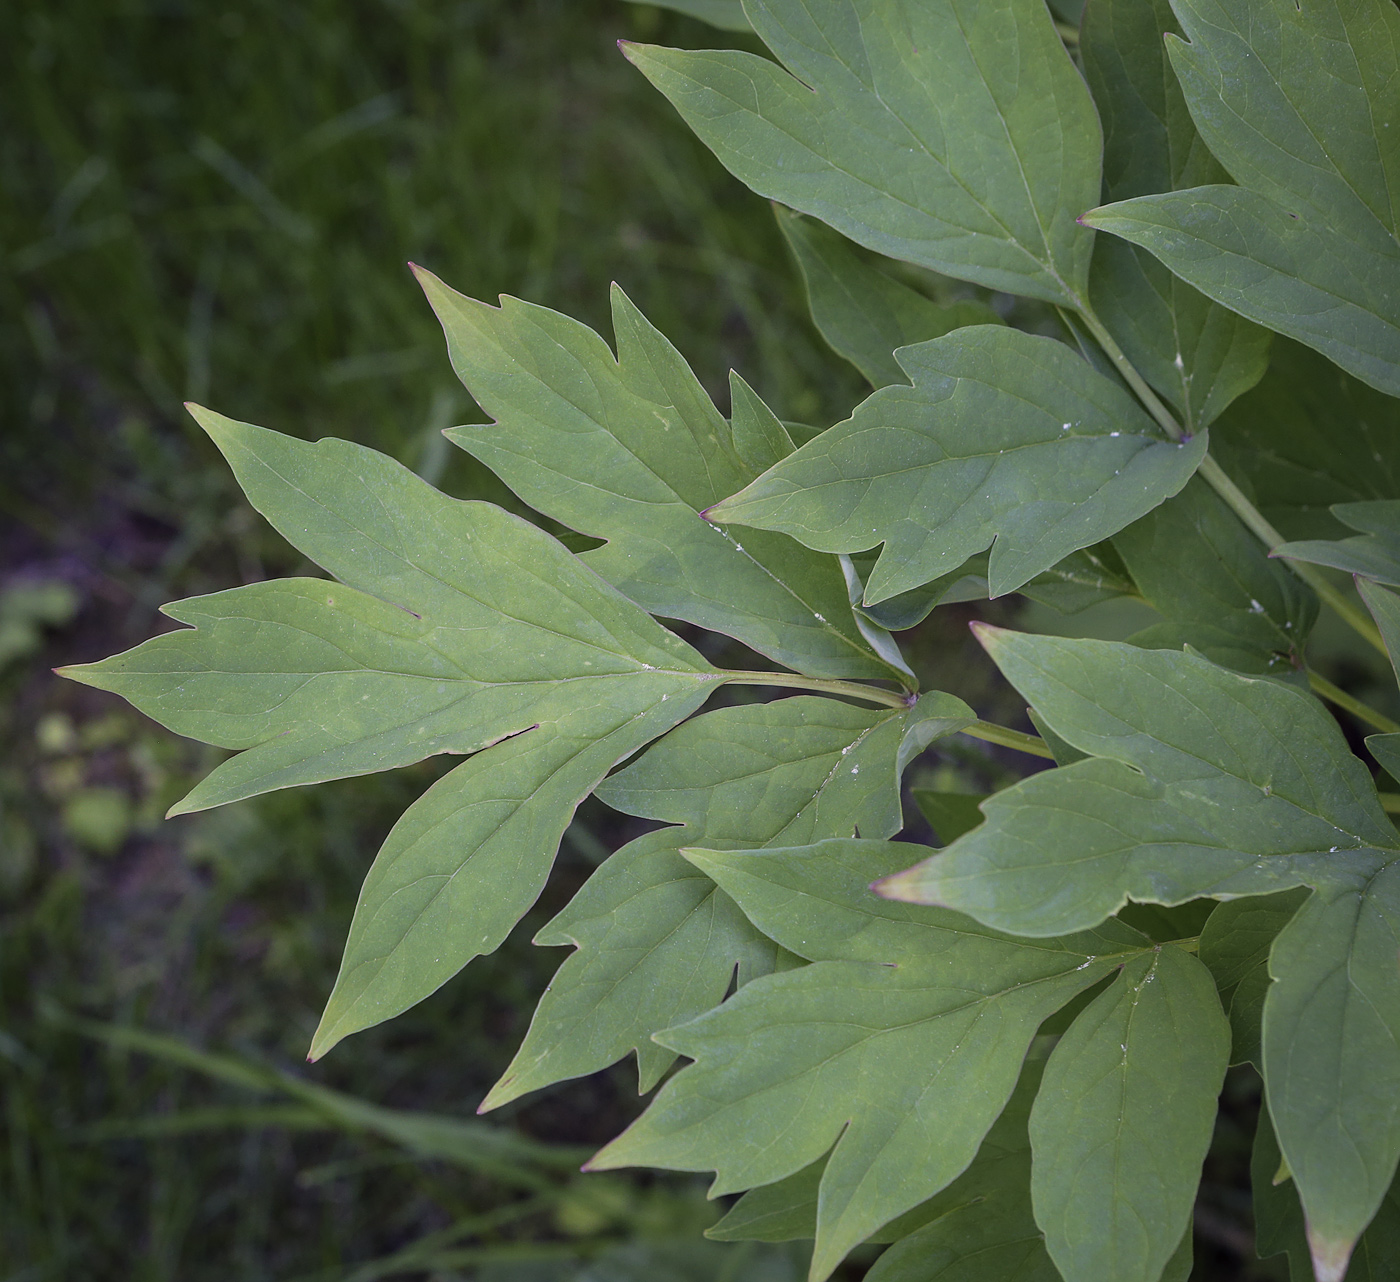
(1214, 475)
(795, 681)
(1324, 689)
(1003, 736)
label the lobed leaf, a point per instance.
(657, 941)
(935, 1008)
(1295, 101)
(1197, 354)
(1203, 782)
(455, 627)
(863, 313)
(947, 133)
(1123, 1120)
(629, 450)
(1004, 439)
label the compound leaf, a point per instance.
(1203, 782)
(454, 627)
(935, 1009)
(629, 450)
(951, 134)
(1296, 102)
(1196, 353)
(863, 313)
(657, 941)
(1124, 1117)
(1004, 439)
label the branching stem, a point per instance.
(1214, 475)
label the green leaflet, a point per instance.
(1199, 782)
(505, 641)
(630, 450)
(1279, 1226)
(1124, 1117)
(980, 1227)
(1197, 354)
(1235, 944)
(863, 313)
(947, 133)
(1331, 1065)
(1385, 609)
(1004, 439)
(657, 942)
(1203, 782)
(1375, 553)
(1310, 435)
(1194, 561)
(950, 813)
(728, 15)
(1295, 101)
(936, 1009)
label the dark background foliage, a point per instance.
(216, 202)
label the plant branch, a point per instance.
(1361, 711)
(1214, 475)
(990, 732)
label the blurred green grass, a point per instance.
(217, 203)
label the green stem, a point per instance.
(1214, 475)
(990, 732)
(985, 730)
(795, 681)
(1361, 711)
(1390, 802)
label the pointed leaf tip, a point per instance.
(1330, 1257)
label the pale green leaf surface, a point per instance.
(1196, 353)
(468, 859)
(1234, 945)
(507, 641)
(1296, 102)
(657, 942)
(980, 1228)
(784, 1211)
(1307, 437)
(1196, 564)
(728, 15)
(951, 134)
(939, 1010)
(1373, 554)
(1279, 1225)
(1201, 782)
(1123, 1119)
(318, 680)
(863, 313)
(1204, 782)
(1332, 1056)
(630, 450)
(1004, 439)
